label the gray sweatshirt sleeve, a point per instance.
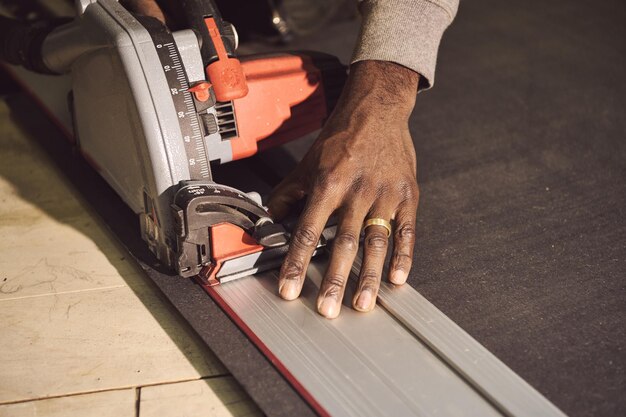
(406, 32)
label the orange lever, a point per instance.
(201, 90)
(226, 74)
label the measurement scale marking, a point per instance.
(193, 138)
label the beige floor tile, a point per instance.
(215, 397)
(26, 172)
(50, 241)
(93, 340)
(99, 404)
(53, 257)
(77, 315)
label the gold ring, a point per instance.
(377, 221)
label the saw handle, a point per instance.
(196, 11)
(223, 70)
(21, 43)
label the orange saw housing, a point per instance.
(289, 96)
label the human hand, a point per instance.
(145, 7)
(362, 166)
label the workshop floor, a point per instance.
(521, 231)
(82, 330)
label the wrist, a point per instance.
(381, 86)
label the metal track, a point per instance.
(405, 358)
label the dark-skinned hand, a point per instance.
(362, 166)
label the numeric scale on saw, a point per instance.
(193, 138)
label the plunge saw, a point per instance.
(154, 110)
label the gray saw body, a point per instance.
(137, 121)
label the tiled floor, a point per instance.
(80, 323)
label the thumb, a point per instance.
(285, 196)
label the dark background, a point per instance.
(521, 232)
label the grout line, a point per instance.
(53, 397)
(111, 287)
(137, 400)
(155, 384)
(202, 378)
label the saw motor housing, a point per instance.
(152, 113)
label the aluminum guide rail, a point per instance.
(483, 370)
(404, 359)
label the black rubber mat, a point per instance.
(522, 230)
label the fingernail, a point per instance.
(328, 308)
(398, 277)
(364, 301)
(288, 290)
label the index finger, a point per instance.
(302, 245)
